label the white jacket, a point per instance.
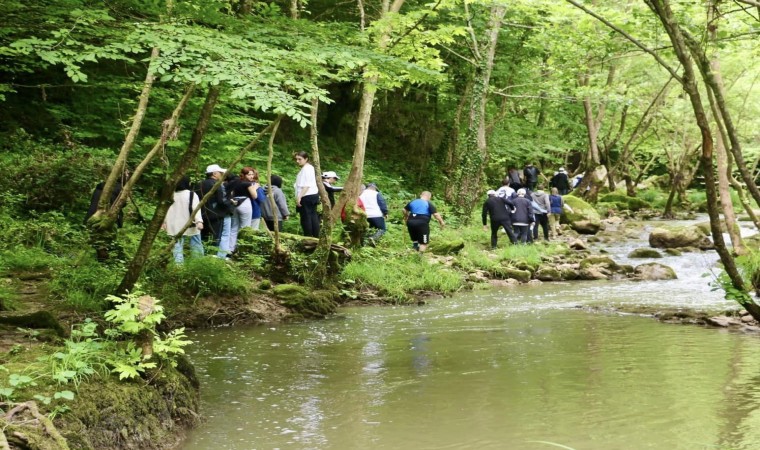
(179, 211)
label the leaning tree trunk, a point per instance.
(473, 154)
(135, 267)
(736, 291)
(323, 270)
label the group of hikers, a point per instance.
(241, 201)
(519, 207)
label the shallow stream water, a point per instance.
(520, 368)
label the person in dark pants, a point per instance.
(417, 214)
(522, 217)
(500, 211)
(531, 176)
(307, 195)
(541, 208)
(514, 178)
(329, 179)
(561, 181)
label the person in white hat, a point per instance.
(216, 211)
(329, 179)
(561, 181)
(499, 208)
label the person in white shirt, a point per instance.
(307, 195)
(185, 202)
(377, 211)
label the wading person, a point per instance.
(307, 195)
(377, 211)
(179, 212)
(417, 214)
(499, 209)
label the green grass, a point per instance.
(85, 285)
(23, 259)
(399, 276)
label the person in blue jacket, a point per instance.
(417, 214)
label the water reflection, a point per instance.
(486, 370)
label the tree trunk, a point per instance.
(135, 267)
(102, 224)
(473, 153)
(369, 88)
(321, 275)
(725, 197)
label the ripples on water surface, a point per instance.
(507, 369)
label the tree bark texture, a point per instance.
(136, 265)
(473, 153)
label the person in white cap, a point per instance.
(216, 210)
(499, 208)
(522, 217)
(561, 181)
(329, 179)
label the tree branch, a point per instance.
(633, 40)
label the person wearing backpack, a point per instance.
(541, 207)
(216, 209)
(177, 216)
(247, 194)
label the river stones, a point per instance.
(523, 276)
(622, 201)
(645, 253)
(654, 271)
(578, 244)
(584, 218)
(690, 236)
(548, 274)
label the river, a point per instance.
(520, 368)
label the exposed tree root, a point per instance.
(7, 423)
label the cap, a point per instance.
(521, 192)
(491, 192)
(214, 168)
(561, 169)
(330, 174)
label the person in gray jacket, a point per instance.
(541, 209)
(281, 204)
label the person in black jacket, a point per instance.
(500, 210)
(531, 176)
(215, 210)
(561, 181)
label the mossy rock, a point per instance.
(704, 227)
(440, 247)
(524, 265)
(569, 274)
(305, 303)
(673, 252)
(105, 412)
(690, 236)
(614, 197)
(602, 261)
(35, 320)
(523, 276)
(645, 253)
(548, 274)
(584, 219)
(654, 271)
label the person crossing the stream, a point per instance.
(417, 214)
